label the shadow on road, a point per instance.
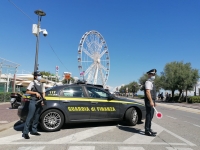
(131, 129)
(19, 126)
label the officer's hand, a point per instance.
(38, 95)
(42, 103)
(152, 104)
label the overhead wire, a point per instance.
(47, 41)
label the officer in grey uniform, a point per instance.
(37, 91)
(150, 97)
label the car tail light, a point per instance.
(25, 99)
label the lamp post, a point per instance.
(40, 13)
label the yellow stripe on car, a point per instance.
(89, 99)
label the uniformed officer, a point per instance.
(150, 97)
(37, 91)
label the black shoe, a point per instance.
(153, 132)
(25, 136)
(148, 133)
(35, 133)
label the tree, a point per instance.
(49, 75)
(179, 76)
(157, 81)
(68, 81)
(133, 87)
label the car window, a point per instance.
(73, 92)
(96, 93)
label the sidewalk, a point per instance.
(8, 116)
(184, 104)
(193, 108)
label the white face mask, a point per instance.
(38, 78)
(153, 78)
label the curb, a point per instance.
(7, 126)
(3, 103)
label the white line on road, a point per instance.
(82, 135)
(9, 139)
(3, 121)
(77, 138)
(178, 148)
(141, 138)
(171, 117)
(193, 124)
(32, 148)
(81, 148)
(130, 148)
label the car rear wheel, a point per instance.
(131, 116)
(52, 120)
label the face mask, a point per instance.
(38, 78)
(153, 78)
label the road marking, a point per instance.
(180, 138)
(9, 139)
(171, 117)
(3, 121)
(191, 117)
(141, 138)
(180, 148)
(82, 135)
(193, 124)
(77, 138)
(130, 148)
(81, 148)
(32, 148)
(196, 125)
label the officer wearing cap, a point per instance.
(37, 92)
(150, 97)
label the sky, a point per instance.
(140, 34)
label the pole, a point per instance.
(0, 71)
(14, 79)
(37, 46)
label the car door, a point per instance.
(77, 106)
(101, 107)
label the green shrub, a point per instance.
(140, 96)
(194, 99)
(5, 96)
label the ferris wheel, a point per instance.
(93, 58)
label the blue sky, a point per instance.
(140, 34)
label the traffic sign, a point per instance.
(158, 114)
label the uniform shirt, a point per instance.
(149, 85)
(40, 86)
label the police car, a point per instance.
(80, 102)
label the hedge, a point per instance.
(5, 96)
(194, 99)
(191, 99)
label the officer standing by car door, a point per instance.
(150, 97)
(37, 91)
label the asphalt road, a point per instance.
(178, 129)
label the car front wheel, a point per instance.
(131, 116)
(52, 120)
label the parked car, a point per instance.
(82, 102)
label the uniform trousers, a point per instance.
(149, 115)
(33, 116)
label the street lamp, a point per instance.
(36, 31)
